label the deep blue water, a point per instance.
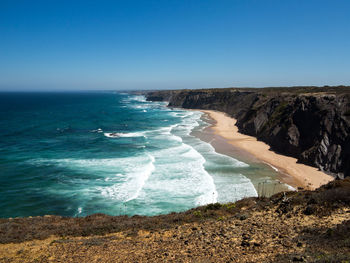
(76, 154)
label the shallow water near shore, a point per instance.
(75, 154)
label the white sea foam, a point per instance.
(182, 114)
(99, 130)
(138, 98)
(165, 132)
(81, 163)
(120, 134)
(273, 167)
(127, 175)
(135, 180)
(179, 173)
(171, 170)
(224, 186)
(177, 168)
(291, 188)
(218, 158)
(156, 132)
(229, 187)
(139, 102)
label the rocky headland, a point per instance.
(311, 124)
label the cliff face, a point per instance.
(311, 124)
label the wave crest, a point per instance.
(120, 134)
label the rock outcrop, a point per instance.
(309, 123)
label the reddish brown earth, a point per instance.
(307, 226)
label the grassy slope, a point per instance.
(310, 226)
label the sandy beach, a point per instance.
(305, 176)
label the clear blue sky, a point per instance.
(173, 44)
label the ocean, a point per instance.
(80, 153)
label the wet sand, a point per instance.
(304, 176)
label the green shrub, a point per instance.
(215, 206)
(229, 206)
(198, 213)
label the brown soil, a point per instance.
(309, 226)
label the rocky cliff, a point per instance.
(309, 123)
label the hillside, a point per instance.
(307, 226)
(311, 124)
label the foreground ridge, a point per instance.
(309, 226)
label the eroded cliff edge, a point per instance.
(311, 124)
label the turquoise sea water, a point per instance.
(76, 154)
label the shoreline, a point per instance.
(304, 176)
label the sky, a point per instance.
(173, 44)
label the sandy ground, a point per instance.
(304, 226)
(279, 232)
(305, 176)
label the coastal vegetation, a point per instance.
(304, 226)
